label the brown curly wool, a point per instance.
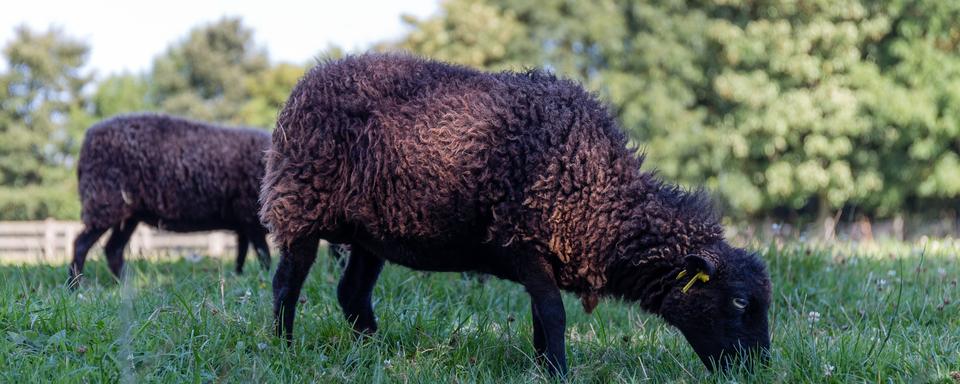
(441, 167)
(172, 173)
(422, 150)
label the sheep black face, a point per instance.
(720, 304)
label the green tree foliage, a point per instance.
(809, 106)
(920, 58)
(205, 75)
(42, 117)
(123, 93)
(471, 33)
(266, 92)
(219, 74)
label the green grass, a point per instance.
(882, 318)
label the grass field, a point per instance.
(840, 314)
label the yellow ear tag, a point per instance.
(699, 276)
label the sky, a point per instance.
(125, 35)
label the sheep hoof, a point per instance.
(365, 330)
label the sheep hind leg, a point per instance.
(355, 291)
(539, 339)
(263, 250)
(295, 261)
(549, 317)
(119, 237)
(242, 243)
(81, 246)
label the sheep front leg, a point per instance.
(263, 251)
(295, 261)
(355, 291)
(549, 317)
(119, 236)
(84, 241)
(242, 244)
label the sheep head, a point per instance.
(719, 301)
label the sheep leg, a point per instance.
(539, 339)
(295, 261)
(549, 317)
(81, 245)
(355, 290)
(119, 237)
(242, 243)
(263, 250)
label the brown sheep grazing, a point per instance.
(520, 175)
(171, 173)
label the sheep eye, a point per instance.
(740, 303)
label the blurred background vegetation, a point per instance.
(789, 110)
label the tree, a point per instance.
(267, 91)
(123, 93)
(470, 33)
(919, 57)
(205, 75)
(42, 117)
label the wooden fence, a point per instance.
(53, 240)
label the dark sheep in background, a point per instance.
(521, 175)
(171, 173)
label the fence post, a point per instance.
(147, 239)
(216, 244)
(69, 233)
(136, 241)
(49, 239)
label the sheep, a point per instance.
(170, 173)
(524, 176)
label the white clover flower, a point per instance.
(813, 317)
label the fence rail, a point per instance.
(52, 239)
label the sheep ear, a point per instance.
(697, 263)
